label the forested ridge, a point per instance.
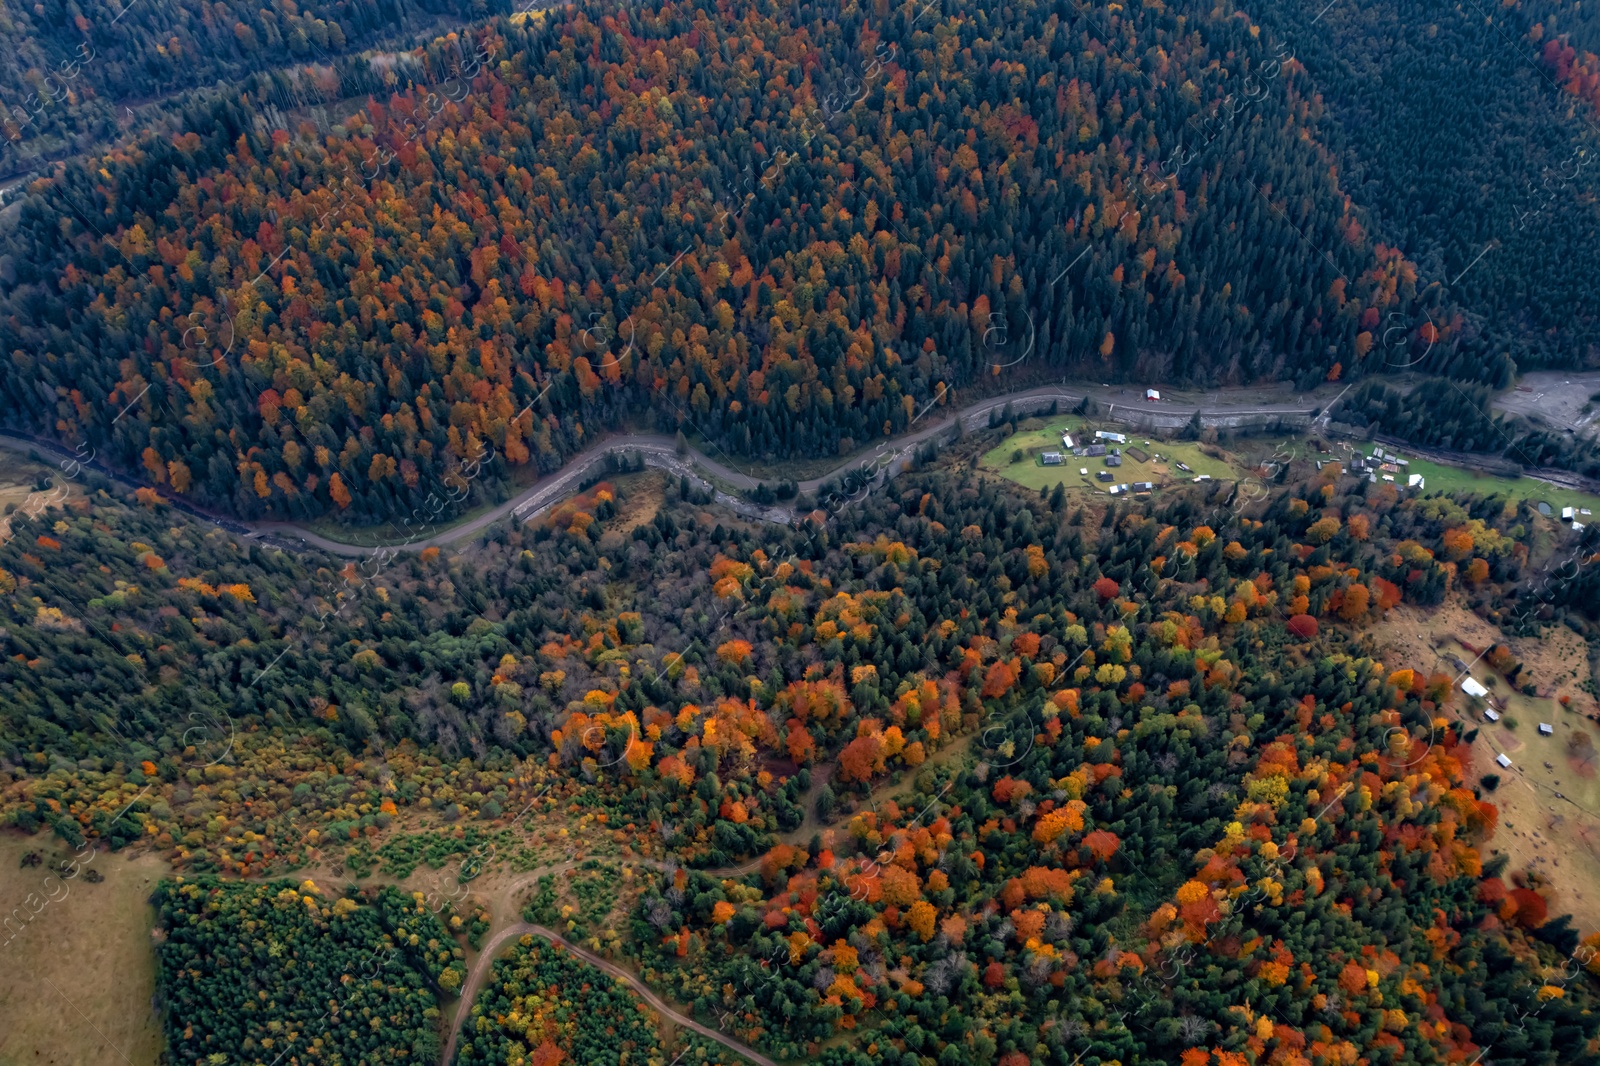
(783, 228)
(779, 227)
(71, 66)
(1472, 142)
(1183, 815)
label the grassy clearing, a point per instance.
(1242, 456)
(1453, 480)
(1038, 435)
(77, 980)
(1556, 838)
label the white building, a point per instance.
(1416, 481)
(1066, 441)
(1152, 395)
(1114, 438)
(1546, 729)
(1471, 687)
(1566, 514)
(1504, 761)
(1492, 715)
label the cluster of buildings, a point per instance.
(1108, 447)
(1100, 449)
(1138, 488)
(1474, 688)
(1384, 466)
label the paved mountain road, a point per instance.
(657, 450)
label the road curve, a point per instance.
(659, 451)
(469, 991)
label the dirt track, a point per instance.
(469, 991)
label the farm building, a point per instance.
(1504, 761)
(1546, 729)
(1152, 395)
(1471, 687)
(1493, 716)
(1066, 441)
(1114, 438)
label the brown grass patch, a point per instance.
(78, 978)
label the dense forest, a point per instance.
(251, 973)
(1163, 803)
(781, 228)
(956, 775)
(1460, 130)
(71, 68)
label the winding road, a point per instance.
(1124, 405)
